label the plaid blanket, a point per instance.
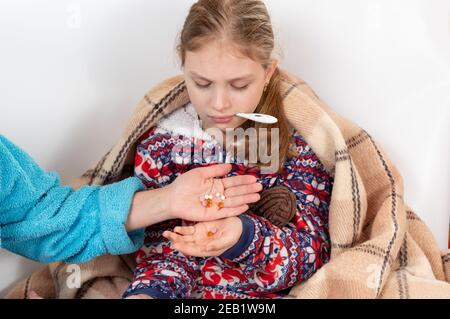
(380, 247)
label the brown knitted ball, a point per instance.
(277, 204)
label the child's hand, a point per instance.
(206, 239)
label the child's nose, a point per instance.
(221, 101)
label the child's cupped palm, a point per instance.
(206, 239)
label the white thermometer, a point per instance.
(257, 117)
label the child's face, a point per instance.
(232, 83)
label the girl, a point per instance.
(226, 51)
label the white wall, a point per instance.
(72, 71)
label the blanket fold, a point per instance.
(380, 247)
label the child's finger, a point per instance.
(185, 230)
(174, 237)
(169, 235)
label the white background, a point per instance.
(72, 71)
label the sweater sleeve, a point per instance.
(45, 221)
(278, 258)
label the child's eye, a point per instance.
(202, 86)
(241, 88)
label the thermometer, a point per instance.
(257, 117)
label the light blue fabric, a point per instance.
(45, 221)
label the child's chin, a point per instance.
(224, 126)
(235, 123)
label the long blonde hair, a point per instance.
(247, 24)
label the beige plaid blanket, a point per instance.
(380, 247)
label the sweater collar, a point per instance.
(184, 121)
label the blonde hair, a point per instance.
(247, 24)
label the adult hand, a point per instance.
(182, 198)
(189, 188)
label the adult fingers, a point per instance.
(243, 189)
(238, 180)
(241, 200)
(217, 170)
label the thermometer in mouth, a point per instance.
(258, 117)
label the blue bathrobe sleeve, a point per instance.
(45, 221)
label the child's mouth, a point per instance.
(222, 119)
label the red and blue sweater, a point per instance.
(267, 260)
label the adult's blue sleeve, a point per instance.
(45, 221)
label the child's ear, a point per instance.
(271, 69)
